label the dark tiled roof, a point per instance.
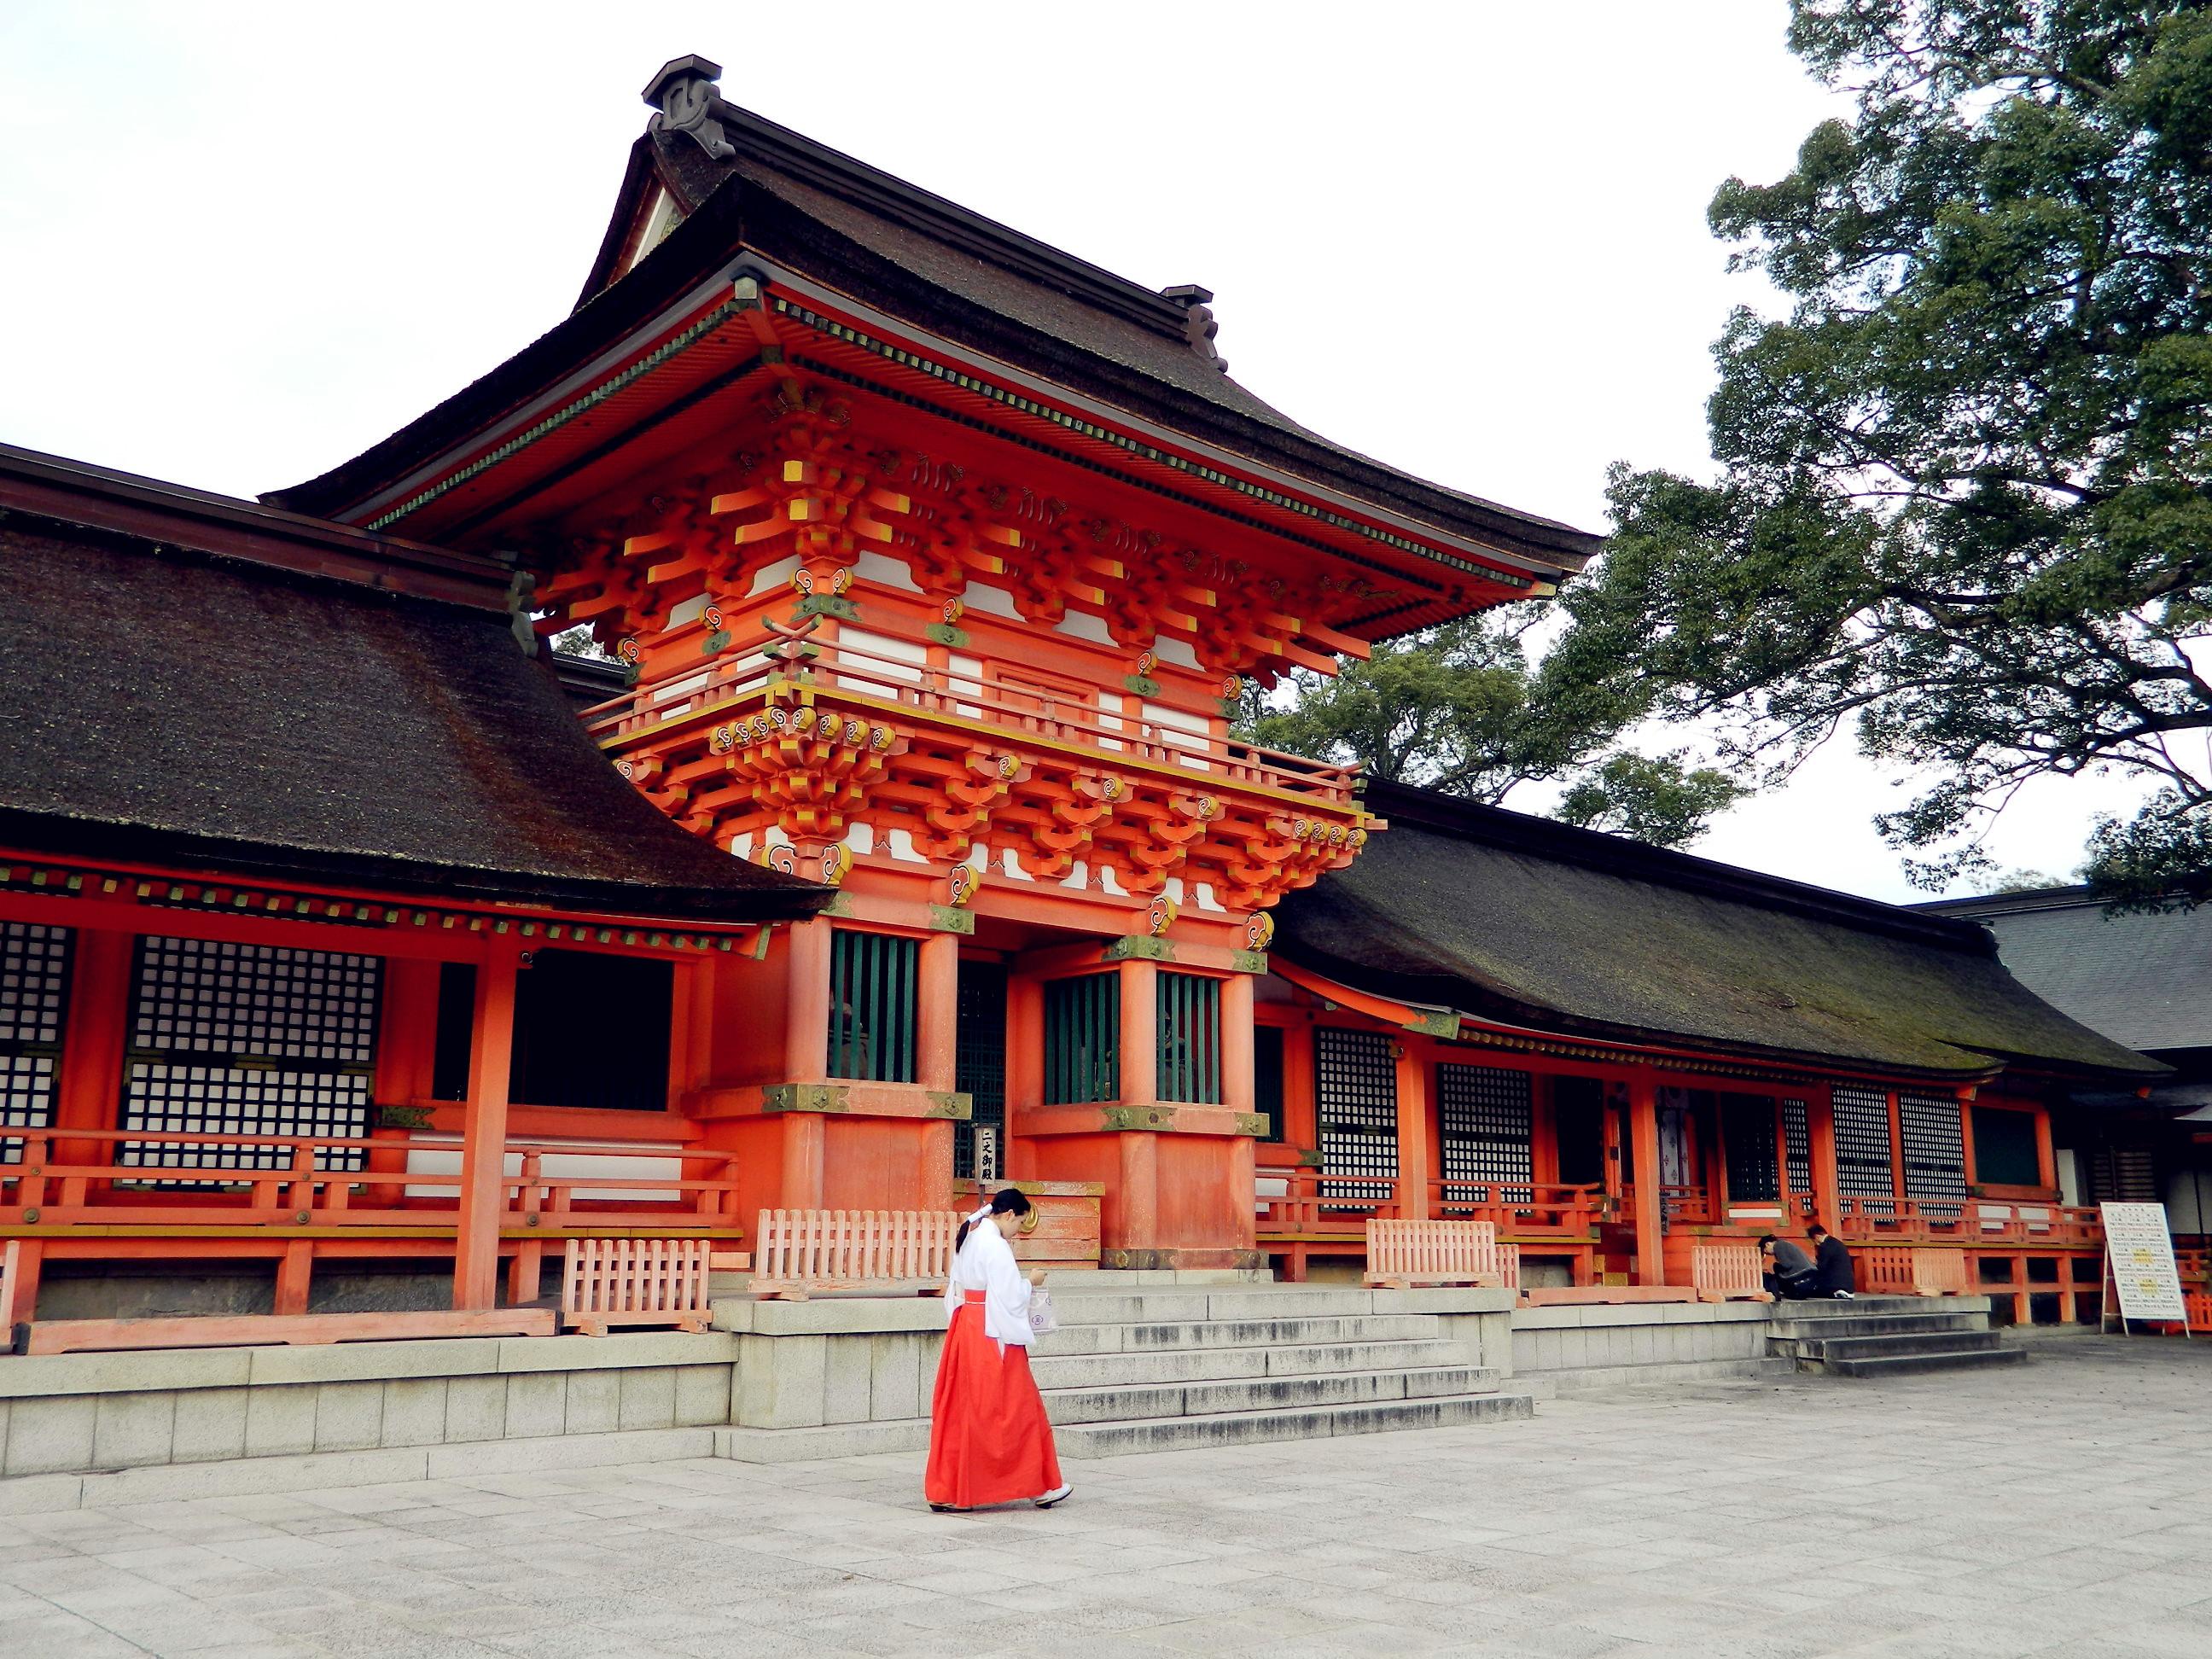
(944, 269)
(2144, 979)
(1522, 920)
(164, 704)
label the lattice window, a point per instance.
(203, 1100)
(1748, 1149)
(1356, 1105)
(1864, 1155)
(1082, 1039)
(34, 1000)
(1935, 1148)
(872, 981)
(1797, 1145)
(1485, 1121)
(1190, 1029)
(248, 1039)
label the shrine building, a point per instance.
(902, 842)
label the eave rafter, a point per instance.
(816, 487)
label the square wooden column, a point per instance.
(936, 1014)
(1644, 1137)
(1140, 1030)
(483, 1132)
(806, 1012)
(1416, 1148)
(1025, 1071)
(1237, 1084)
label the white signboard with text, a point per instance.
(2141, 1251)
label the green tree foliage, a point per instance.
(1965, 509)
(1660, 799)
(1460, 709)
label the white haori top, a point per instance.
(986, 1263)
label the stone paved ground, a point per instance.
(2062, 1508)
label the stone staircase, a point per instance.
(1139, 1369)
(1888, 1335)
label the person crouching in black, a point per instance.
(1835, 1276)
(1790, 1271)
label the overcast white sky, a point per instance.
(244, 242)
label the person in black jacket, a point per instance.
(1790, 1271)
(1834, 1276)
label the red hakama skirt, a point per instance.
(989, 1439)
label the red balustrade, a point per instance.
(157, 1178)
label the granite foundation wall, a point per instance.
(1597, 1338)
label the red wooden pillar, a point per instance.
(1644, 1134)
(1416, 1146)
(88, 1088)
(806, 1011)
(483, 1132)
(937, 1013)
(1025, 1071)
(1236, 1080)
(1140, 1181)
(406, 1062)
(1140, 1031)
(1821, 1139)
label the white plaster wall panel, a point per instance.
(1182, 730)
(991, 601)
(872, 675)
(890, 572)
(773, 575)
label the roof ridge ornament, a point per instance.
(1199, 326)
(683, 94)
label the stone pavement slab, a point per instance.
(2062, 1508)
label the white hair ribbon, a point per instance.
(979, 1214)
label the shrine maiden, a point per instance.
(989, 1439)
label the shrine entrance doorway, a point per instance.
(979, 1060)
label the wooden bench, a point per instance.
(1403, 1254)
(264, 1330)
(1728, 1273)
(1911, 1270)
(606, 1282)
(797, 1253)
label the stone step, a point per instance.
(1588, 1377)
(1879, 1325)
(1909, 1365)
(1883, 1347)
(1860, 1306)
(1237, 1334)
(1151, 1434)
(1148, 1305)
(1055, 1370)
(1069, 1406)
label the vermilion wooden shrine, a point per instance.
(933, 563)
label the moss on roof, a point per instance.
(1519, 920)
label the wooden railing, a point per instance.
(1689, 1204)
(337, 1181)
(833, 665)
(1520, 1208)
(1315, 1202)
(1312, 1203)
(1981, 1222)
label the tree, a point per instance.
(1965, 505)
(1655, 798)
(1459, 709)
